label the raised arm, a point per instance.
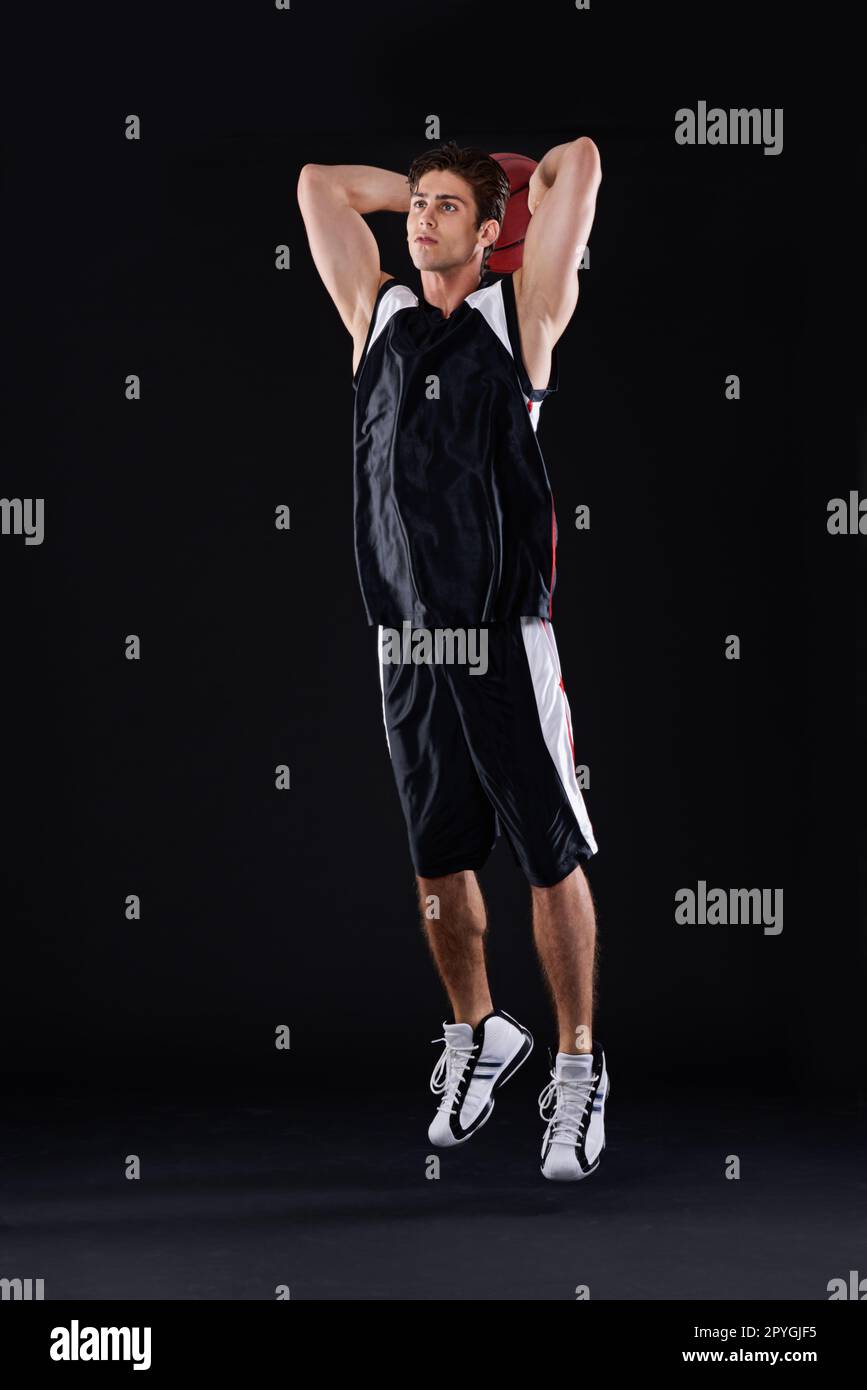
(333, 199)
(562, 201)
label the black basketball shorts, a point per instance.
(477, 754)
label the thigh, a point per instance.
(517, 723)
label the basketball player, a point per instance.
(455, 529)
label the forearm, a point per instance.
(366, 188)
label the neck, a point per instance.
(446, 290)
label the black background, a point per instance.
(708, 517)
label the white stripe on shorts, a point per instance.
(554, 714)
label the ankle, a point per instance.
(475, 1015)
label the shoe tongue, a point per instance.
(574, 1065)
(458, 1033)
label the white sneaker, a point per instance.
(575, 1137)
(474, 1064)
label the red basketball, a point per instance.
(508, 253)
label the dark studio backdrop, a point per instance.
(708, 518)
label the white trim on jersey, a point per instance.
(394, 298)
(554, 714)
(488, 301)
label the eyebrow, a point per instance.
(452, 197)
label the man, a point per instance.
(455, 525)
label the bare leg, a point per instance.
(564, 929)
(457, 941)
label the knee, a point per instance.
(450, 890)
(446, 883)
(575, 878)
(450, 897)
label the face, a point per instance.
(440, 226)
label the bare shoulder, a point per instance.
(361, 326)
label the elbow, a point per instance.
(588, 154)
(309, 177)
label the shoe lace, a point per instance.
(448, 1071)
(570, 1096)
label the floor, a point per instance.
(326, 1194)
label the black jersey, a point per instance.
(454, 516)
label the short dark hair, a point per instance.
(488, 180)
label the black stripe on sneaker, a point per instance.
(472, 1070)
(455, 1125)
(484, 1071)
